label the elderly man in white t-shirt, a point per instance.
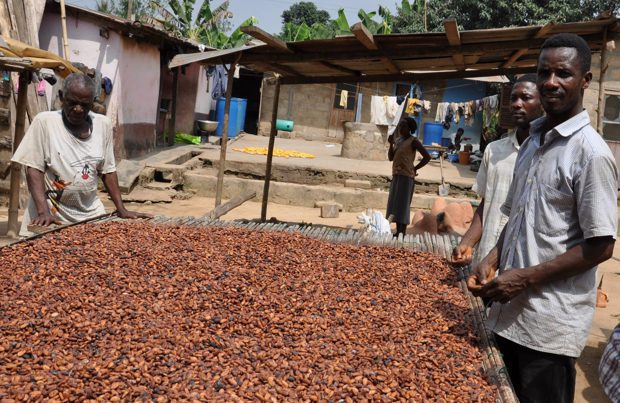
(495, 175)
(64, 153)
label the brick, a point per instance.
(330, 211)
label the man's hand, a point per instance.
(462, 255)
(45, 220)
(132, 215)
(506, 286)
(480, 276)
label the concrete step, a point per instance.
(351, 199)
(312, 176)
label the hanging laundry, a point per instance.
(344, 98)
(442, 110)
(410, 106)
(391, 107)
(454, 108)
(107, 85)
(490, 105)
(426, 105)
(378, 112)
(41, 88)
(220, 81)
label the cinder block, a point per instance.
(329, 211)
(359, 184)
(322, 203)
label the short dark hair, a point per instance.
(527, 78)
(566, 40)
(412, 124)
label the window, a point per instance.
(351, 95)
(611, 118)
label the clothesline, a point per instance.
(382, 109)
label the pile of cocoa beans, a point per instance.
(126, 311)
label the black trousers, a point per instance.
(536, 376)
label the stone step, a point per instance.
(351, 199)
(312, 176)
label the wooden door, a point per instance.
(343, 108)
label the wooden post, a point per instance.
(20, 118)
(63, 24)
(129, 10)
(272, 139)
(224, 142)
(601, 84)
(173, 107)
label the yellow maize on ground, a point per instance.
(277, 152)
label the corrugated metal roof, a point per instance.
(366, 57)
(136, 28)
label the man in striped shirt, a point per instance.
(562, 208)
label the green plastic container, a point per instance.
(285, 125)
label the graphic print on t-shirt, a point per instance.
(55, 191)
(85, 173)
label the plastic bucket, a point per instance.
(233, 124)
(432, 133)
(285, 125)
(464, 157)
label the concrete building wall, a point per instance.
(311, 106)
(611, 87)
(203, 95)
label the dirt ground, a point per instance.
(588, 388)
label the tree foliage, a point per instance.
(305, 12)
(474, 14)
(140, 8)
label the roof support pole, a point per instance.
(173, 107)
(20, 119)
(601, 84)
(272, 140)
(63, 24)
(224, 142)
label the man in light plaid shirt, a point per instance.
(562, 209)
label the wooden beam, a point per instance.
(230, 204)
(452, 32)
(277, 68)
(403, 53)
(364, 36)
(340, 68)
(408, 76)
(390, 65)
(269, 39)
(544, 30)
(601, 84)
(224, 141)
(173, 107)
(272, 140)
(454, 39)
(20, 125)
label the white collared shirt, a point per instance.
(492, 184)
(563, 192)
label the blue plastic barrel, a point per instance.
(242, 106)
(432, 133)
(233, 124)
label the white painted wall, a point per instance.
(203, 93)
